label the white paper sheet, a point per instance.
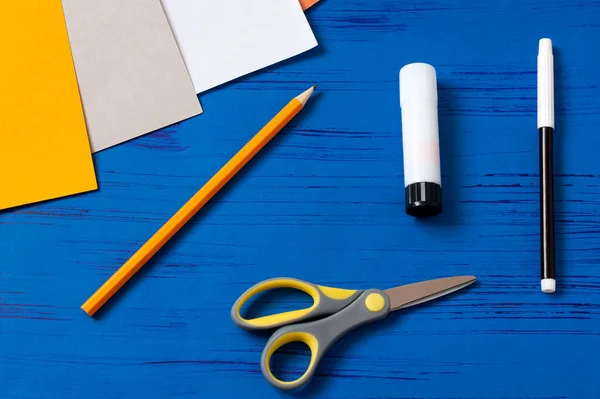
(221, 40)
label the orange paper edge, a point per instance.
(306, 4)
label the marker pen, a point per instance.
(546, 130)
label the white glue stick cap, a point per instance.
(418, 82)
(420, 140)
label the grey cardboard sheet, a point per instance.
(131, 75)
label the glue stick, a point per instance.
(420, 140)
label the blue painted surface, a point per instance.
(324, 202)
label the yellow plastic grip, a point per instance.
(279, 318)
(336, 293)
(304, 337)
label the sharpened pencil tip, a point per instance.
(303, 98)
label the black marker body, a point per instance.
(547, 203)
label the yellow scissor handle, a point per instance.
(294, 336)
(320, 335)
(326, 301)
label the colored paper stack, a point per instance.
(85, 75)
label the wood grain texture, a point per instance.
(324, 202)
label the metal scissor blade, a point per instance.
(413, 294)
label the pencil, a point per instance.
(179, 219)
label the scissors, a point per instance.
(338, 311)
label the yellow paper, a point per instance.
(44, 148)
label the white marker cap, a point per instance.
(420, 140)
(548, 285)
(545, 84)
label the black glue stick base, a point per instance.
(423, 199)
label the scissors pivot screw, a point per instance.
(375, 302)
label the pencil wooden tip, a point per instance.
(303, 98)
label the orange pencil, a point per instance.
(160, 238)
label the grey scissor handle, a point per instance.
(320, 335)
(326, 301)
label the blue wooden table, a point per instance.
(324, 202)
